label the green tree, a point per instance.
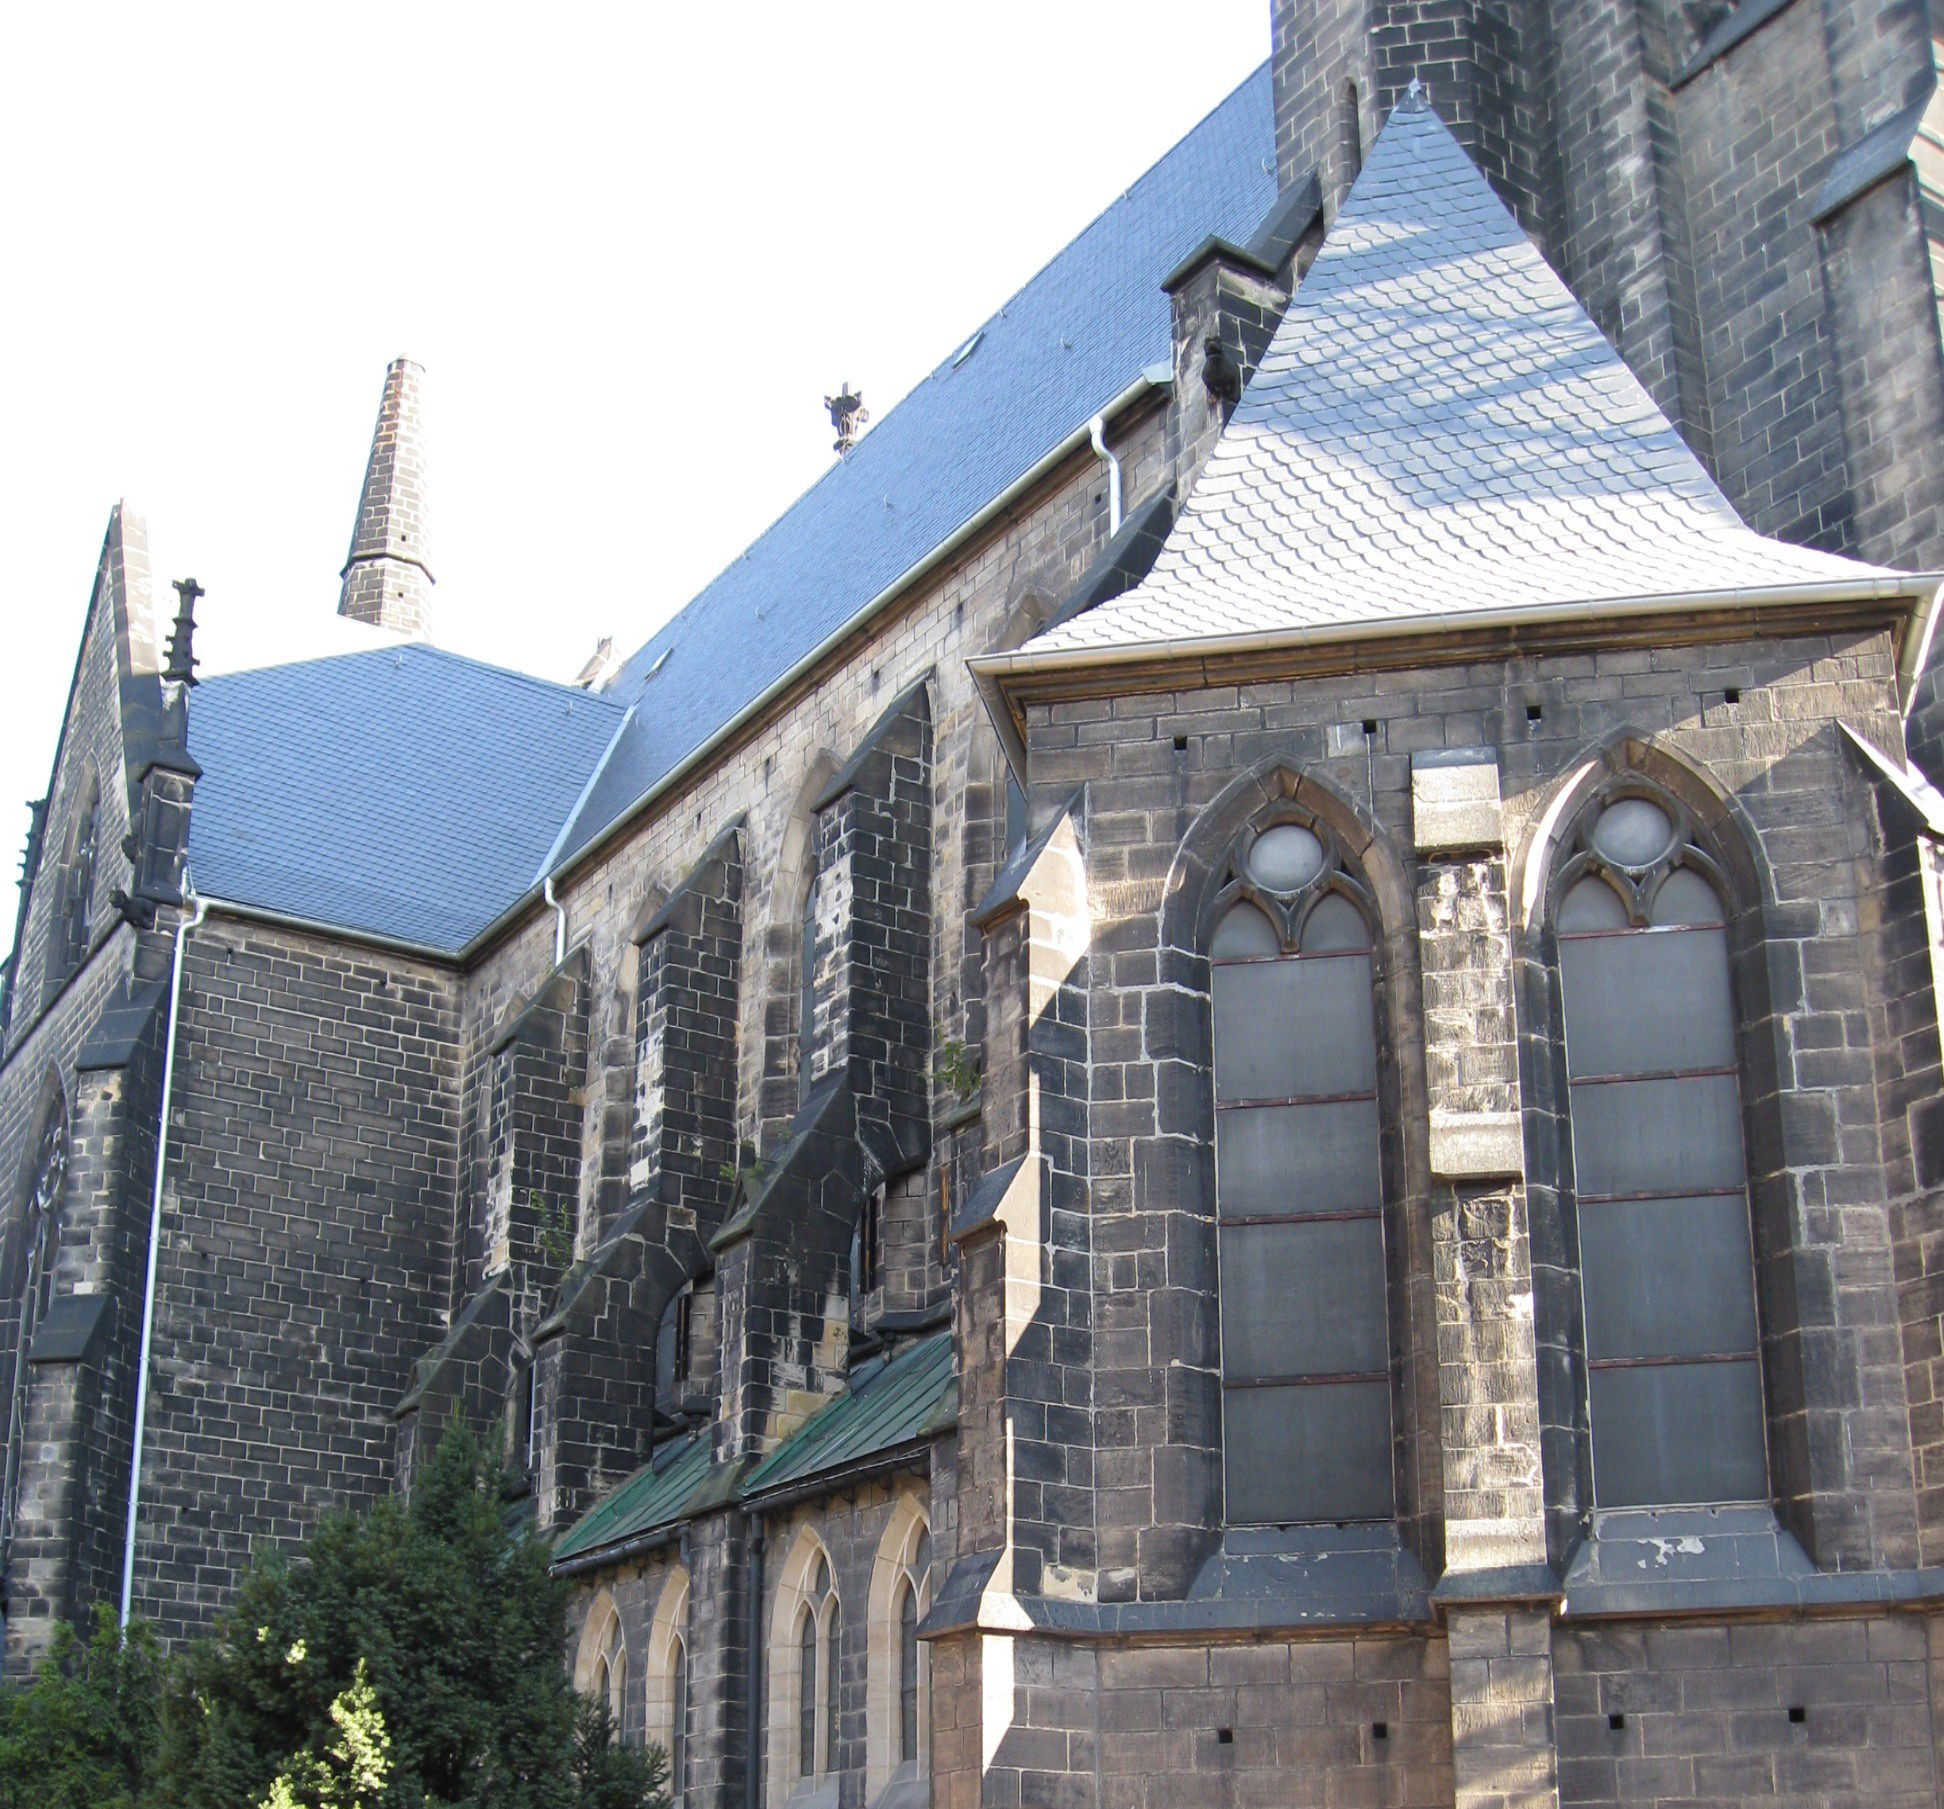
(81, 1735)
(408, 1657)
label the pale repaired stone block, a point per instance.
(1472, 1145)
(1455, 800)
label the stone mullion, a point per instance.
(1488, 1377)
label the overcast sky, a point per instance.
(634, 248)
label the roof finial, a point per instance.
(181, 669)
(386, 579)
(848, 415)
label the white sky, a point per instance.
(634, 247)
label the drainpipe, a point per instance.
(1097, 429)
(753, 1740)
(183, 928)
(560, 920)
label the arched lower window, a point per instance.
(601, 1669)
(1306, 1389)
(1667, 1277)
(678, 1716)
(914, 1597)
(818, 1643)
(668, 1677)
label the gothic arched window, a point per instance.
(818, 1638)
(1667, 1277)
(668, 1678)
(914, 1591)
(1306, 1384)
(79, 884)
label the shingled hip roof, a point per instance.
(1439, 433)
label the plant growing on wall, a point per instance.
(956, 1067)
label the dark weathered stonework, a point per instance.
(831, 974)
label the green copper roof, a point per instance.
(654, 1496)
(889, 1403)
(907, 1398)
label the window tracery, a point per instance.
(1299, 1182)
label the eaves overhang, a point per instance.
(1009, 679)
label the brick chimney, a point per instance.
(386, 579)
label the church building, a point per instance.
(1224, 1086)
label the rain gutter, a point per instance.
(1920, 587)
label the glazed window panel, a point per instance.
(1272, 1161)
(1283, 1296)
(1676, 1135)
(1665, 1433)
(1309, 1452)
(1299, 1197)
(1294, 1028)
(1667, 1278)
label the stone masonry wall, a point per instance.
(305, 1247)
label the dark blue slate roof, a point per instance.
(1067, 344)
(406, 792)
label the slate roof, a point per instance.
(405, 792)
(1077, 335)
(1438, 430)
(653, 1497)
(907, 1398)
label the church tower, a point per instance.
(386, 579)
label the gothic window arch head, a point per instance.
(1300, 1189)
(1639, 910)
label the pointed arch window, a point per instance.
(1667, 1274)
(819, 1638)
(1306, 1383)
(78, 889)
(668, 1678)
(914, 1596)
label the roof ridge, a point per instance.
(422, 649)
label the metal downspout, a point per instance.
(753, 1733)
(183, 928)
(1097, 432)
